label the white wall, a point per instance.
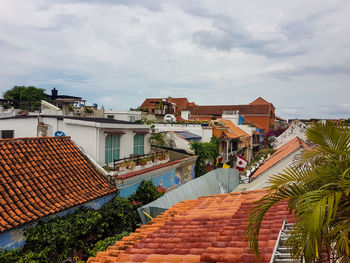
(124, 115)
(297, 128)
(180, 143)
(23, 127)
(185, 115)
(197, 129)
(88, 135)
(207, 134)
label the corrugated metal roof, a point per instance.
(218, 181)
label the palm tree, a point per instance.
(317, 192)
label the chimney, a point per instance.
(54, 93)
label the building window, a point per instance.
(110, 116)
(112, 148)
(139, 141)
(5, 134)
(132, 118)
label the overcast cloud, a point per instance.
(295, 54)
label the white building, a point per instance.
(102, 139)
(125, 115)
(205, 132)
(296, 129)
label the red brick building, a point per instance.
(259, 112)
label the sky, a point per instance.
(294, 54)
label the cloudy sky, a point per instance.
(295, 54)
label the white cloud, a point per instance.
(117, 53)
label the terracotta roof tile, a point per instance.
(280, 154)
(217, 110)
(207, 229)
(45, 180)
(235, 130)
(260, 101)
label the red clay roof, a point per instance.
(208, 229)
(259, 106)
(234, 131)
(42, 176)
(218, 109)
(281, 153)
(260, 101)
(279, 118)
(181, 103)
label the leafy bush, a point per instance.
(16, 256)
(56, 239)
(146, 193)
(61, 237)
(118, 215)
(205, 151)
(103, 244)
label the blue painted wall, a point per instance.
(165, 179)
(15, 238)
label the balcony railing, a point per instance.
(131, 162)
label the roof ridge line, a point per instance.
(35, 138)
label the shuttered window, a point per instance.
(139, 142)
(112, 148)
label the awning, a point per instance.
(141, 132)
(188, 135)
(115, 132)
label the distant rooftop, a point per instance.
(99, 120)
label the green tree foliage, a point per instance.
(157, 139)
(317, 192)
(26, 98)
(61, 237)
(146, 193)
(118, 215)
(103, 244)
(205, 151)
(55, 239)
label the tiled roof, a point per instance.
(181, 103)
(148, 102)
(42, 176)
(279, 118)
(218, 109)
(235, 130)
(280, 154)
(260, 101)
(207, 229)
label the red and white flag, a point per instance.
(241, 163)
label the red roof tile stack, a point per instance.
(208, 229)
(42, 176)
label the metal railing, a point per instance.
(137, 158)
(278, 241)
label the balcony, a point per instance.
(139, 162)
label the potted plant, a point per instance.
(131, 165)
(142, 162)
